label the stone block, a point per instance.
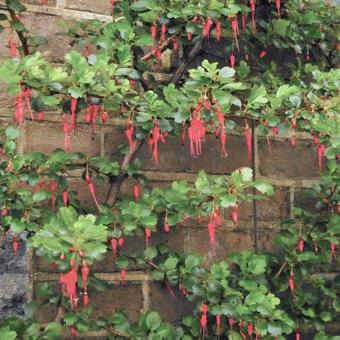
(102, 7)
(227, 241)
(276, 207)
(169, 303)
(127, 298)
(286, 161)
(13, 290)
(174, 157)
(47, 137)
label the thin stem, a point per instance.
(127, 159)
(21, 36)
(162, 47)
(282, 268)
(176, 77)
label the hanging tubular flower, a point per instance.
(278, 7)
(253, 22)
(54, 186)
(196, 131)
(90, 186)
(73, 113)
(19, 113)
(321, 155)
(153, 141)
(129, 135)
(291, 283)
(218, 30)
(13, 48)
(204, 319)
(163, 33)
(147, 236)
(235, 213)
(69, 285)
(236, 32)
(232, 60)
(207, 27)
(249, 142)
(65, 198)
(67, 133)
(15, 245)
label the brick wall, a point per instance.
(283, 166)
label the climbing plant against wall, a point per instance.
(250, 90)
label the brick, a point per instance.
(6, 101)
(127, 298)
(102, 7)
(47, 27)
(266, 239)
(40, 2)
(47, 137)
(303, 198)
(286, 161)
(42, 265)
(84, 196)
(105, 303)
(4, 50)
(112, 140)
(171, 308)
(228, 241)
(46, 311)
(276, 207)
(176, 158)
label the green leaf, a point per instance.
(274, 329)
(53, 330)
(15, 5)
(228, 201)
(40, 196)
(170, 263)
(264, 188)
(280, 26)
(13, 132)
(326, 316)
(247, 174)
(234, 336)
(225, 74)
(153, 321)
(258, 97)
(6, 333)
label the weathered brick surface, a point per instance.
(286, 161)
(169, 302)
(276, 207)
(5, 101)
(40, 2)
(102, 7)
(175, 157)
(46, 311)
(84, 196)
(303, 198)
(265, 239)
(227, 241)
(127, 298)
(47, 27)
(48, 137)
(113, 137)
